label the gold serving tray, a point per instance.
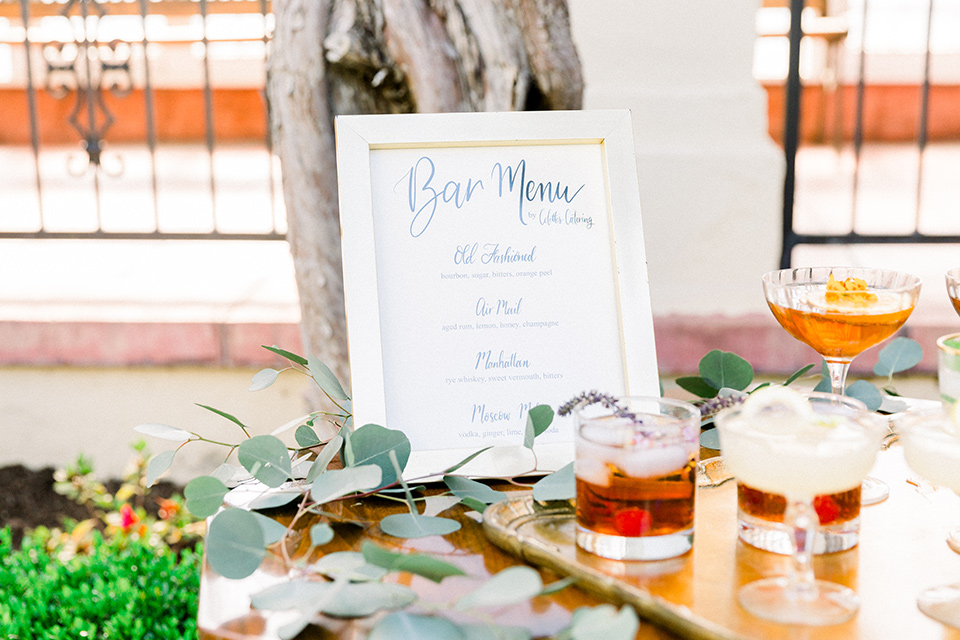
(902, 551)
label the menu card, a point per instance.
(497, 287)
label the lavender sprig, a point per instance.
(712, 406)
(587, 398)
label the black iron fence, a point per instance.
(794, 88)
(100, 77)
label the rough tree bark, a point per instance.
(332, 57)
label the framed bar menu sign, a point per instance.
(491, 262)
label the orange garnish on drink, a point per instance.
(852, 292)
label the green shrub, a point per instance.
(124, 589)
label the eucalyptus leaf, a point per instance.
(465, 487)
(204, 496)
(267, 459)
(539, 419)
(286, 426)
(411, 525)
(227, 473)
(273, 531)
(405, 626)
(724, 369)
(234, 544)
(337, 483)
(512, 585)
(324, 458)
(901, 354)
(559, 485)
(263, 379)
(796, 375)
(473, 503)
(604, 622)
(559, 585)
(824, 386)
(366, 598)
(289, 594)
(465, 461)
(494, 632)
(420, 564)
(325, 379)
(321, 534)
(866, 392)
(697, 386)
(292, 357)
(710, 439)
(348, 565)
(226, 415)
(163, 431)
(306, 436)
(372, 444)
(158, 464)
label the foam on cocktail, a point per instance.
(885, 302)
(777, 443)
(932, 449)
(601, 451)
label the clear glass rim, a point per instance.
(943, 346)
(596, 411)
(820, 275)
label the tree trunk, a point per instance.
(332, 57)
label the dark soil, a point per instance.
(27, 500)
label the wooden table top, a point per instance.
(902, 551)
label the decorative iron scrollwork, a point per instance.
(89, 69)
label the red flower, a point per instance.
(128, 518)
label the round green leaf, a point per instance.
(423, 565)
(329, 451)
(512, 585)
(163, 431)
(158, 464)
(234, 545)
(321, 534)
(901, 354)
(604, 622)
(263, 379)
(467, 488)
(366, 598)
(273, 531)
(539, 419)
(494, 632)
(409, 525)
(404, 626)
(324, 377)
(559, 485)
(336, 483)
(724, 369)
(866, 393)
(307, 437)
(266, 458)
(204, 496)
(371, 444)
(348, 565)
(710, 439)
(275, 498)
(697, 386)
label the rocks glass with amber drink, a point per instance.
(780, 443)
(841, 312)
(636, 476)
(760, 513)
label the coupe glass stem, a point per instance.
(801, 517)
(838, 375)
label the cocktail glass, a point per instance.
(760, 514)
(777, 442)
(931, 444)
(953, 287)
(840, 312)
(636, 476)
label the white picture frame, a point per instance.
(418, 344)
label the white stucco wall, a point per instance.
(711, 179)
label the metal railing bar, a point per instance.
(858, 123)
(859, 238)
(161, 40)
(133, 235)
(151, 123)
(208, 112)
(791, 131)
(923, 127)
(124, 7)
(32, 106)
(271, 173)
(91, 112)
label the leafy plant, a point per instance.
(122, 588)
(373, 457)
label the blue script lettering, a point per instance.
(530, 190)
(423, 197)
